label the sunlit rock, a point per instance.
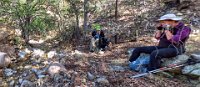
(38, 53)
(9, 72)
(55, 68)
(192, 69)
(4, 60)
(51, 54)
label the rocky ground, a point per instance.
(60, 67)
(66, 68)
(38, 66)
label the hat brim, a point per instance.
(175, 19)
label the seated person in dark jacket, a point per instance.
(98, 40)
(172, 35)
(103, 41)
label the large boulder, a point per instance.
(4, 60)
(180, 59)
(175, 60)
(193, 70)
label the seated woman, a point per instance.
(172, 35)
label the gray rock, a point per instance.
(117, 68)
(22, 54)
(27, 66)
(26, 83)
(4, 60)
(180, 14)
(181, 1)
(198, 85)
(35, 43)
(196, 56)
(192, 69)
(194, 82)
(55, 68)
(58, 78)
(38, 53)
(20, 80)
(175, 60)
(12, 83)
(39, 73)
(102, 80)
(51, 54)
(90, 76)
(9, 72)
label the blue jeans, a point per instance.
(156, 53)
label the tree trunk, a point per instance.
(25, 31)
(77, 29)
(85, 16)
(116, 9)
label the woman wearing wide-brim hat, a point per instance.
(172, 35)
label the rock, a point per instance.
(130, 52)
(179, 14)
(22, 56)
(27, 50)
(175, 60)
(9, 72)
(58, 78)
(4, 84)
(51, 54)
(181, 1)
(101, 52)
(194, 82)
(180, 59)
(38, 53)
(12, 83)
(36, 43)
(192, 70)
(196, 56)
(27, 66)
(117, 68)
(26, 83)
(78, 52)
(102, 80)
(62, 55)
(90, 76)
(198, 85)
(55, 68)
(39, 73)
(4, 60)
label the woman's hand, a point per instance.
(168, 34)
(159, 26)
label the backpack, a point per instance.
(140, 64)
